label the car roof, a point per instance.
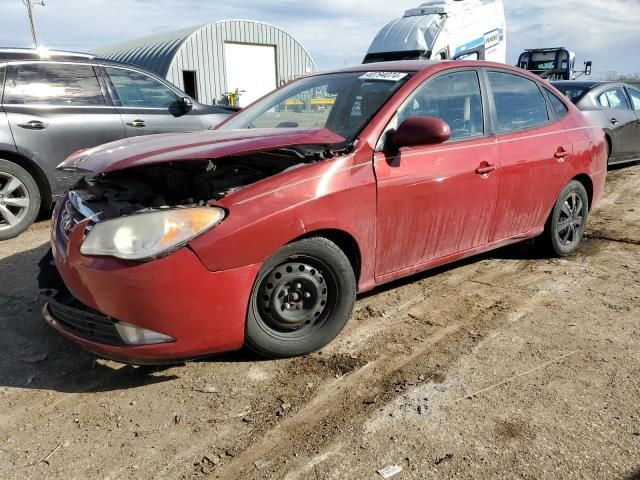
(578, 84)
(420, 65)
(22, 54)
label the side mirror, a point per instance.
(186, 104)
(587, 67)
(416, 131)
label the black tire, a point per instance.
(565, 228)
(301, 300)
(19, 206)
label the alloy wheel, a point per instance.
(14, 200)
(570, 220)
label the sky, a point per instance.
(336, 32)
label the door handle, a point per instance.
(485, 169)
(614, 121)
(137, 124)
(561, 154)
(33, 125)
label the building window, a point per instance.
(190, 83)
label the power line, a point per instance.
(30, 4)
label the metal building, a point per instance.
(210, 60)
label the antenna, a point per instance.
(30, 4)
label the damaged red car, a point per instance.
(262, 232)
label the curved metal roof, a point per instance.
(154, 53)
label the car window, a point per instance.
(136, 89)
(518, 100)
(53, 84)
(557, 106)
(614, 98)
(454, 98)
(574, 93)
(341, 102)
(634, 94)
(1, 81)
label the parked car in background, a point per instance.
(613, 106)
(262, 231)
(55, 103)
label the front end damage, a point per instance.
(165, 307)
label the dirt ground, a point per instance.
(510, 365)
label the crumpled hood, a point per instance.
(209, 144)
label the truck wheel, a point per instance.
(19, 200)
(566, 225)
(301, 300)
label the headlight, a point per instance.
(147, 236)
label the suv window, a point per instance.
(519, 102)
(454, 98)
(1, 82)
(136, 89)
(614, 98)
(634, 94)
(65, 85)
(557, 106)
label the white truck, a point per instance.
(444, 29)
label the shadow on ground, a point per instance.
(634, 476)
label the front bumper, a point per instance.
(176, 295)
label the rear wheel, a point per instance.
(566, 225)
(301, 300)
(19, 200)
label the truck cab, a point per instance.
(552, 63)
(442, 30)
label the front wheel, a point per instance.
(19, 200)
(566, 225)
(301, 300)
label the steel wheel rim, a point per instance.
(570, 220)
(296, 298)
(14, 201)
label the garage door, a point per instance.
(251, 68)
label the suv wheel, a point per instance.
(19, 200)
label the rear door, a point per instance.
(634, 95)
(54, 109)
(147, 105)
(623, 123)
(533, 148)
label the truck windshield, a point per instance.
(342, 102)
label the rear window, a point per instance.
(519, 102)
(65, 85)
(573, 93)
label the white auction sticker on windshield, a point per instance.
(384, 76)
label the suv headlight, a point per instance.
(147, 236)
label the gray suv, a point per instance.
(53, 105)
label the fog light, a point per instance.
(132, 335)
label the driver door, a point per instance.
(437, 201)
(146, 105)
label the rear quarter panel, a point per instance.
(589, 152)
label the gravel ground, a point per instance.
(510, 365)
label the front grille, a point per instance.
(85, 322)
(74, 211)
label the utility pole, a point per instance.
(29, 4)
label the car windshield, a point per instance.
(341, 102)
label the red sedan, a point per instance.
(261, 232)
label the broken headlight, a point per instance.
(147, 236)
